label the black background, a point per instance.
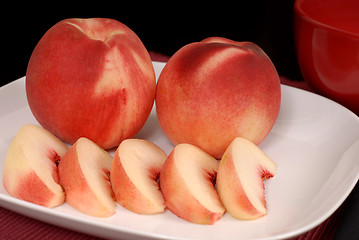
(161, 27)
(166, 27)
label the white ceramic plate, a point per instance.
(315, 143)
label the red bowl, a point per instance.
(327, 43)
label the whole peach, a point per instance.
(91, 78)
(213, 91)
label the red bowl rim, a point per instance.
(298, 9)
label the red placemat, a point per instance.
(16, 226)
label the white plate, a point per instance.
(315, 143)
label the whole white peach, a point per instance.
(213, 91)
(91, 78)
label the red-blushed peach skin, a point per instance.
(128, 195)
(127, 190)
(42, 196)
(91, 78)
(240, 176)
(234, 189)
(211, 92)
(135, 169)
(30, 166)
(220, 40)
(89, 192)
(180, 199)
(79, 194)
(190, 209)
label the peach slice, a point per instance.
(187, 183)
(134, 172)
(30, 167)
(84, 175)
(240, 177)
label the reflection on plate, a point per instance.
(315, 143)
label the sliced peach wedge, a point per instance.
(134, 173)
(84, 174)
(240, 177)
(187, 183)
(30, 167)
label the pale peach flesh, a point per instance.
(187, 183)
(84, 174)
(30, 167)
(135, 171)
(240, 177)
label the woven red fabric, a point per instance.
(14, 226)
